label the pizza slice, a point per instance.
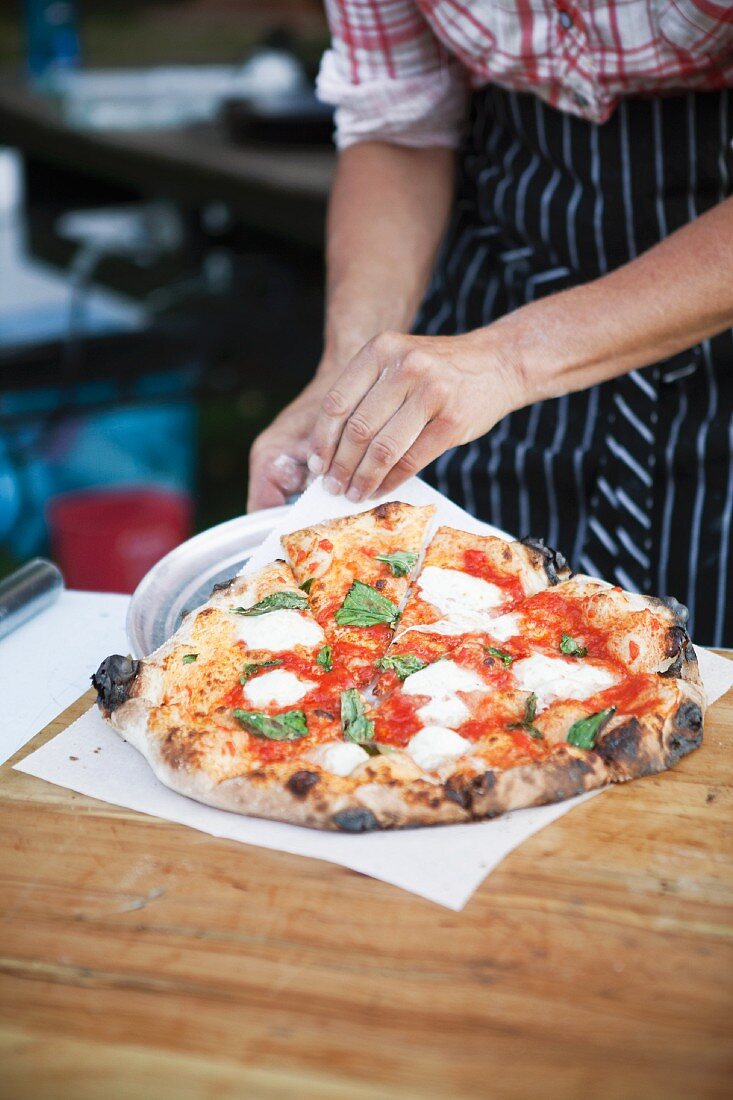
(464, 599)
(579, 684)
(609, 691)
(355, 571)
(240, 699)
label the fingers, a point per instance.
(365, 429)
(273, 478)
(432, 442)
(388, 448)
(340, 403)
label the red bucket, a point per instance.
(107, 540)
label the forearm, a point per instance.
(404, 400)
(387, 214)
(670, 298)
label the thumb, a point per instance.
(274, 478)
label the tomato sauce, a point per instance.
(479, 564)
(553, 616)
(520, 749)
(637, 695)
(397, 721)
(270, 752)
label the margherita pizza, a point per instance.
(358, 688)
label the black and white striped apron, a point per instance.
(632, 479)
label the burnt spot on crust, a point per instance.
(463, 791)
(301, 782)
(622, 745)
(222, 586)
(553, 562)
(689, 716)
(114, 680)
(176, 750)
(358, 820)
(424, 794)
(676, 640)
(570, 778)
(680, 647)
(678, 609)
(687, 732)
(675, 668)
(484, 783)
(388, 513)
(458, 793)
(534, 784)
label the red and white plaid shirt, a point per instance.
(400, 70)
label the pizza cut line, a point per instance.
(372, 683)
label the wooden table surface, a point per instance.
(141, 958)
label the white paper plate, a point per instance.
(184, 578)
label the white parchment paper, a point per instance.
(59, 648)
(444, 864)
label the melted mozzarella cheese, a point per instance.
(450, 711)
(504, 626)
(454, 592)
(280, 687)
(433, 745)
(456, 624)
(338, 757)
(441, 682)
(441, 679)
(277, 630)
(552, 678)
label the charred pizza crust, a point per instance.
(167, 715)
(389, 792)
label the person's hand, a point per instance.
(277, 461)
(404, 400)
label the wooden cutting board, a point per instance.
(141, 958)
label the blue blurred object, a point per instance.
(9, 493)
(149, 442)
(52, 37)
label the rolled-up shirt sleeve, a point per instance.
(389, 77)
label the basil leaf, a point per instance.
(404, 664)
(325, 658)
(527, 723)
(290, 726)
(249, 670)
(401, 562)
(354, 722)
(277, 601)
(583, 733)
(306, 585)
(189, 658)
(364, 606)
(570, 647)
(500, 655)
